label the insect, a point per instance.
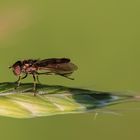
(35, 67)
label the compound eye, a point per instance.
(17, 70)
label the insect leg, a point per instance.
(17, 79)
(66, 76)
(46, 73)
(24, 76)
(34, 87)
(37, 77)
(18, 82)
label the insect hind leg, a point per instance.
(66, 76)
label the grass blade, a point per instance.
(52, 100)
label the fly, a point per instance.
(52, 66)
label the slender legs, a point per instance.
(34, 77)
(37, 77)
(18, 82)
(44, 73)
(66, 76)
(63, 75)
(24, 76)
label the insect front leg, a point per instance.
(24, 76)
(18, 82)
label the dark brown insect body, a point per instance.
(57, 66)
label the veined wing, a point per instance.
(58, 66)
(51, 61)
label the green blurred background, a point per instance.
(101, 37)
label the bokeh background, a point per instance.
(101, 37)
